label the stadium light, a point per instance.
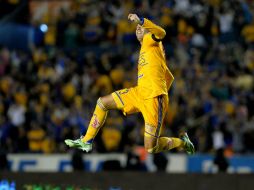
(43, 28)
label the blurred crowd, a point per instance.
(90, 50)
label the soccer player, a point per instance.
(150, 96)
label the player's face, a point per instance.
(140, 31)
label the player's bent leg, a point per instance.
(108, 102)
(156, 144)
(99, 116)
(161, 144)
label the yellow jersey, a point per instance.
(154, 77)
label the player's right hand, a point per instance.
(134, 18)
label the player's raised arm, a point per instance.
(158, 31)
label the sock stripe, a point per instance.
(151, 135)
(100, 104)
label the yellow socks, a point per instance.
(166, 143)
(97, 120)
(176, 143)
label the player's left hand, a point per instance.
(134, 18)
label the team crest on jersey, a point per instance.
(96, 122)
(141, 60)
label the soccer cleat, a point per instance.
(79, 144)
(188, 146)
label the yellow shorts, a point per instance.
(153, 109)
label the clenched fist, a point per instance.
(134, 18)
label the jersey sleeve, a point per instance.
(158, 33)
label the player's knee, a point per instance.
(151, 147)
(151, 144)
(107, 102)
(149, 150)
(102, 103)
(152, 150)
